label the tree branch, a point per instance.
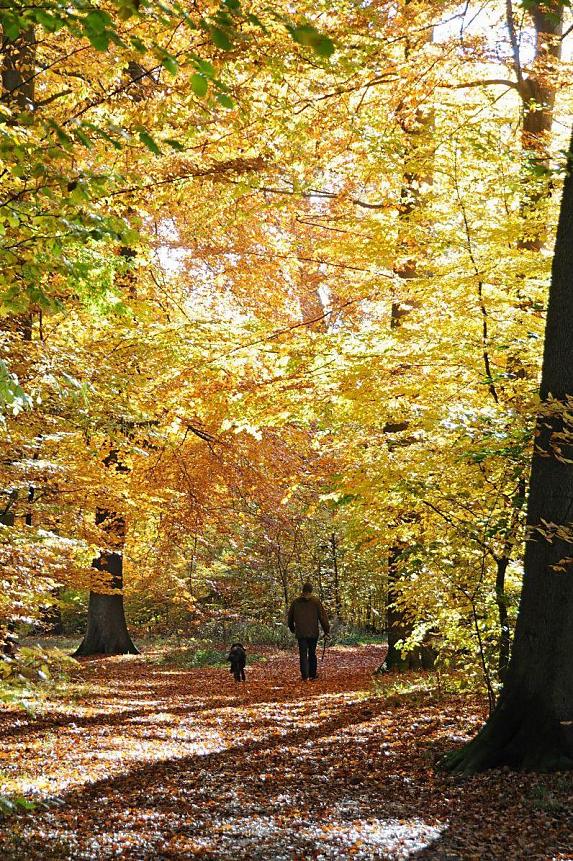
(514, 42)
(53, 98)
(490, 82)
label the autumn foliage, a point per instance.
(272, 301)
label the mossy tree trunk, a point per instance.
(532, 726)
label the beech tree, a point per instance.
(532, 724)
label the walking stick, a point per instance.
(326, 638)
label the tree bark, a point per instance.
(18, 66)
(537, 91)
(399, 628)
(501, 600)
(416, 130)
(106, 632)
(532, 726)
(394, 619)
(337, 598)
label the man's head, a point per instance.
(306, 588)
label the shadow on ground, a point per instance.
(275, 770)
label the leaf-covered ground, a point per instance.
(152, 762)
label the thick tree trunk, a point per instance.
(18, 67)
(106, 632)
(532, 725)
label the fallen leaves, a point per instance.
(162, 765)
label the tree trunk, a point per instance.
(532, 725)
(394, 618)
(537, 91)
(106, 632)
(18, 67)
(422, 657)
(501, 601)
(337, 599)
(407, 267)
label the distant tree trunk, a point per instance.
(532, 725)
(285, 593)
(337, 598)
(282, 568)
(537, 91)
(407, 267)
(397, 629)
(422, 657)
(106, 631)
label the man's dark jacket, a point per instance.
(305, 613)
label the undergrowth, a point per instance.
(194, 657)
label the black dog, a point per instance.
(238, 658)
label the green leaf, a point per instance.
(306, 34)
(323, 46)
(139, 46)
(83, 138)
(97, 21)
(220, 39)
(170, 63)
(204, 67)
(48, 22)
(102, 133)
(257, 22)
(96, 28)
(199, 85)
(225, 100)
(127, 9)
(10, 27)
(146, 139)
(64, 138)
(130, 236)
(175, 144)
(100, 41)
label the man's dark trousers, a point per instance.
(307, 655)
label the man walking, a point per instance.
(305, 613)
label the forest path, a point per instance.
(158, 763)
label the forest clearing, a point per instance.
(153, 762)
(286, 351)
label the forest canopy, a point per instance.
(272, 300)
